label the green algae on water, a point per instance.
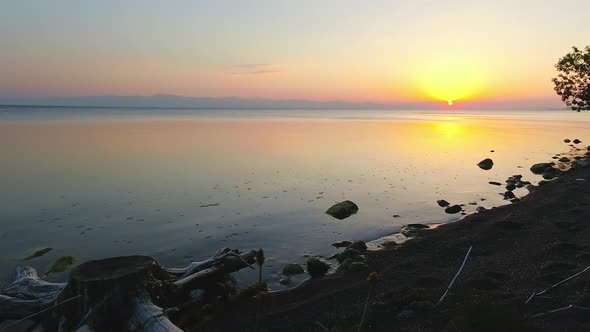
(62, 264)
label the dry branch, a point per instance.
(456, 275)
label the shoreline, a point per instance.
(518, 248)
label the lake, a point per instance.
(180, 184)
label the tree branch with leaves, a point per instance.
(573, 81)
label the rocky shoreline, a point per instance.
(518, 249)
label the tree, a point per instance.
(573, 81)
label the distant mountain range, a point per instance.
(173, 101)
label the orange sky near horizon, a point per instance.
(391, 51)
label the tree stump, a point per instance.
(118, 294)
(115, 293)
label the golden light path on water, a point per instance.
(73, 185)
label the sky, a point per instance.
(474, 51)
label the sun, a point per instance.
(451, 77)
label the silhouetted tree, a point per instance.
(573, 81)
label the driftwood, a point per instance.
(27, 294)
(456, 275)
(530, 298)
(115, 294)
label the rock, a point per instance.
(515, 200)
(360, 246)
(564, 159)
(486, 164)
(349, 253)
(343, 210)
(396, 216)
(453, 209)
(522, 184)
(509, 195)
(285, 281)
(292, 269)
(481, 209)
(510, 187)
(418, 226)
(495, 183)
(442, 203)
(413, 229)
(388, 244)
(567, 140)
(342, 244)
(551, 173)
(351, 265)
(577, 141)
(540, 168)
(316, 267)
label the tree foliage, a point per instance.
(573, 81)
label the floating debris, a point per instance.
(209, 205)
(38, 253)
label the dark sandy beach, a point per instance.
(518, 249)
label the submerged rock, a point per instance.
(413, 229)
(453, 209)
(577, 141)
(495, 183)
(551, 173)
(540, 168)
(442, 203)
(343, 210)
(486, 164)
(509, 195)
(292, 269)
(341, 244)
(349, 253)
(481, 209)
(564, 159)
(316, 267)
(567, 140)
(358, 245)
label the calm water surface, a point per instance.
(180, 184)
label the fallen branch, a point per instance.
(230, 262)
(557, 284)
(456, 275)
(197, 266)
(571, 306)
